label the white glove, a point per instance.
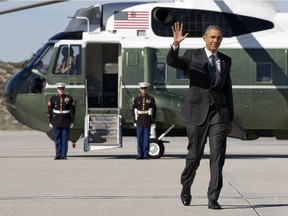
(135, 114)
(72, 125)
(50, 125)
(135, 125)
(153, 131)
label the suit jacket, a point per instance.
(201, 92)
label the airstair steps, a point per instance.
(103, 130)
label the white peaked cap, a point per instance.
(144, 84)
(59, 85)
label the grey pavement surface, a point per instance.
(112, 183)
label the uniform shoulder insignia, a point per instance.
(66, 99)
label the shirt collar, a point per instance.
(208, 53)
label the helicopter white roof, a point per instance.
(263, 9)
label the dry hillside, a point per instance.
(7, 122)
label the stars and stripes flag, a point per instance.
(131, 19)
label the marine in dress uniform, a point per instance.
(144, 115)
(61, 111)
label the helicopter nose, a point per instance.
(14, 107)
(9, 92)
(10, 95)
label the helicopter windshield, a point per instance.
(40, 61)
(31, 78)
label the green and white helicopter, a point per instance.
(117, 45)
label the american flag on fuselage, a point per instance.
(131, 19)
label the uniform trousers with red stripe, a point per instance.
(61, 135)
(143, 134)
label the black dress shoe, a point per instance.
(213, 204)
(57, 158)
(186, 199)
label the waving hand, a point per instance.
(177, 30)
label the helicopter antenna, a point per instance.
(125, 88)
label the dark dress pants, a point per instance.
(197, 136)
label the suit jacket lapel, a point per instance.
(223, 72)
(204, 60)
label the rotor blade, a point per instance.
(30, 6)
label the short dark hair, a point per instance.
(212, 27)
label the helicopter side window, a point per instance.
(36, 85)
(68, 60)
(264, 72)
(194, 21)
(65, 61)
(77, 60)
(159, 72)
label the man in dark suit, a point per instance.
(207, 109)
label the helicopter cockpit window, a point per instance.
(42, 63)
(68, 60)
(33, 81)
(264, 72)
(159, 72)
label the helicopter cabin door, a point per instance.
(102, 75)
(102, 121)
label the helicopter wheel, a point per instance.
(156, 149)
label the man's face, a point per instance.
(60, 90)
(143, 90)
(213, 39)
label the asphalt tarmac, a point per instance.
(112, 183)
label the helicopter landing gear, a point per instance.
(157, 148)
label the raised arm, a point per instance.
(177, 30)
